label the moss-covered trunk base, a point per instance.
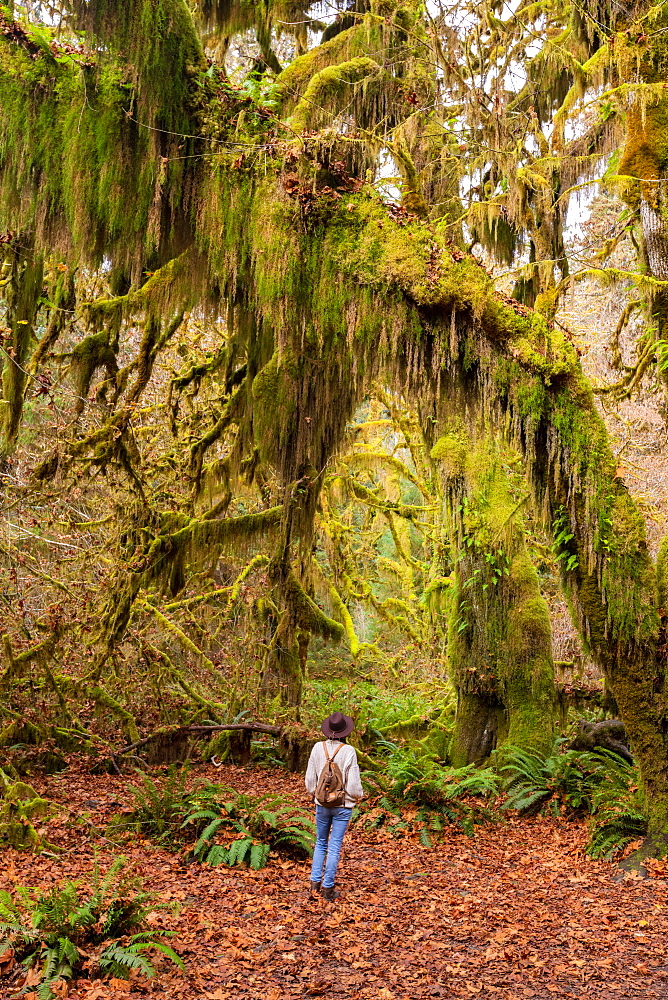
(479, 725)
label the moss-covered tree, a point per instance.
(500, 643)
(126, 149)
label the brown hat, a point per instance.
(336, 726)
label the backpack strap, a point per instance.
(324, 747)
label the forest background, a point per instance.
(333, 363)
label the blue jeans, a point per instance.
(331, 825)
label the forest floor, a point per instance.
(517, 911)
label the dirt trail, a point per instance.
(515, 912)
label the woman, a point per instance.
(332, 823)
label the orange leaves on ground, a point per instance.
(516, 912)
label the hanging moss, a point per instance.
(93, 352)
(201, 538)
(350, 289)
(450, 452)
(275, 390)
(67, 142)
(22, 292)
(307, 614)
(161, 43)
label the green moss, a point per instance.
(93, 352)
(662, 573)
(450, 452)
(275, 390)
(306, 613)
(500, 638)
(295, 78)
(22, 291)
(645, 154)
(159, 40)
(328, 89)
(21, 731)
(66, 142)
(202, 538)
(20, 806)
(219, 747)
(479, 726)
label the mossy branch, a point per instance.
(307, 615)
(174, 630)
(328, 87)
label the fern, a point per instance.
(617, 817)
(416, 775)
(160, 810)
(259, 854)
(261, 824)
(597, 783)
(238, 851)
(120, 960)
(217, 855)
(55, 929)
(205, 838)
(421, 777)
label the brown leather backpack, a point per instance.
(331, 790)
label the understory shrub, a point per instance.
(412, 776)
(104, 926)
(259, 824)
(251, 826)
(600, 784)
(159, 809)
(617, 817)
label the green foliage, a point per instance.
(617, 814)
(441, 794)
(59, 928)
(601, 784)
(160, 810)
(260, 823)
(380, 709)
(569, 778)
(562, 537)
(119, 960)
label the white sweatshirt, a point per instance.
(346, 758)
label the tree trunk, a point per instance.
(22, 293)
(500, 641)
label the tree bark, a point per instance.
(500, 639)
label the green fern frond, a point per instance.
(119, 960)
(259, 855)
(162, 948)
(218, 855)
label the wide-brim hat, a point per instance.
(337, 725)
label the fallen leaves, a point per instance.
(515, 912)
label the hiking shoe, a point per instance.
(330, 893)
(315, 886)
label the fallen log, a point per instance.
(173, 744)
(253, 727)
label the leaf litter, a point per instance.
(517, 911)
